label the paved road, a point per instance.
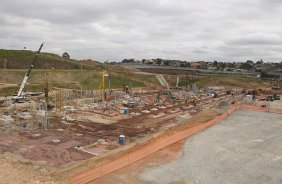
(245, 148)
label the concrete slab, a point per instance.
(244, 148)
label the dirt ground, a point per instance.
(129, 175)
(37, 147)
(5, 85)
(276, 104)
(16, 172)
(42, 150)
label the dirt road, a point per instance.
(5, 85)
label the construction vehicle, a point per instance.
(19, 97)
(275, 85)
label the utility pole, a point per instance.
(81, 91)
(109, 84)
(5, 63)
(186, 81)
(130, 83)
(123, 81)
(46, 90)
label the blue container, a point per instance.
(121, 139)
(125, 111)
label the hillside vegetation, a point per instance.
(227, 81)
(21, 59)
(72, 79)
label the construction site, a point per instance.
(69, 134)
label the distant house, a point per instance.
(196, 66)
(199, 65)
(148, 61)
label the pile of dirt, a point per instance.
(16, 172)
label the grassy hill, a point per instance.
(21, 59)
(67, 73)
(61, 72)
(71, 79)
(227, 81)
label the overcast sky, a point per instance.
(223, 30)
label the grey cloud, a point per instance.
(117, 29)
(257, 40)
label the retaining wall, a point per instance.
(261, 109)
(104, 169)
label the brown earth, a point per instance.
(128, 175)
(13, 172)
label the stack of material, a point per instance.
(25, 116)
(135, 114)
(157, 116)
(69, 108)
(40, 113)
(247, 99)
(101, 141)
(5, 119)
(183, 117)
(146, 111)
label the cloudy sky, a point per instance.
(224, 30)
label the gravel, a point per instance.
(244, 148)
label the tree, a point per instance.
(166, 62)
(215, 63)
(66, 55)
(159, 61)
(246, 66)
(221, 65)
(188, 64)
(231, 65)
(259, 62)
(128, 61)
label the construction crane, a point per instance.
(19, 95)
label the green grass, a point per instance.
(147, 78)
(21, 59)
(72, 79)
(223, 80)
(12, 90)
(116, 81)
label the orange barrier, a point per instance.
(104, 169)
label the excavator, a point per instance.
(20, 96)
